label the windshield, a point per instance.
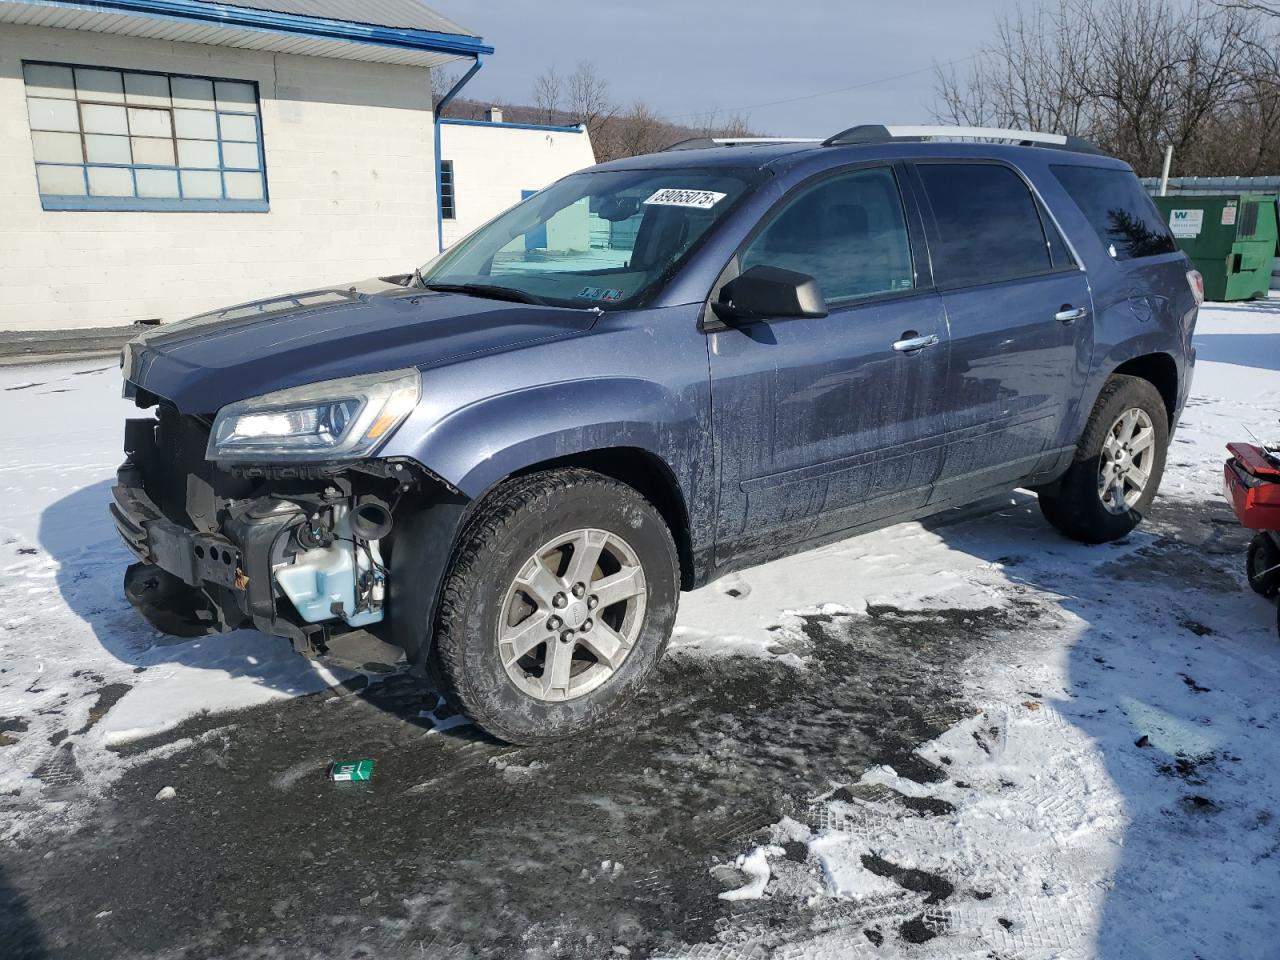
(605, 240)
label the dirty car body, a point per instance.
(770, 346)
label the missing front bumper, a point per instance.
(212, 543)
(191, 556)
(192, 583)
(168, 604)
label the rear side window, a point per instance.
(988, 224)
(1119, 210)
(846, 231)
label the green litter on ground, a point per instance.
(351, 770)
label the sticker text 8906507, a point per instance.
(672, 197)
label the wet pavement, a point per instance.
(616, 843)
(462, 847)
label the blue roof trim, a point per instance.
(459, 122)
(318, 28)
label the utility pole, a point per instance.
(1164, 175)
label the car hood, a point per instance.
(208, 361)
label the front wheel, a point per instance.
(1118, 465)
(559, 602)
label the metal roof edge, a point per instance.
(502, 124)
(269, 21)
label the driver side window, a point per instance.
(848, 232)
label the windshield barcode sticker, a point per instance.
(700, 199)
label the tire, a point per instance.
(1075, 505)
(498, 599)
(1263, 565)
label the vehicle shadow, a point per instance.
(20, 937)
(1261, 350)
(1168, 676)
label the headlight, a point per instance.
(334, 420)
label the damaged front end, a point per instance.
(298, 550)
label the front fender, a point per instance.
(480, 444)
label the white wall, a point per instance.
(350, 172)
(492, 163)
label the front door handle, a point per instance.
(911, 342)
(1070, 314)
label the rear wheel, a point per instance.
(1118, 465)
(1263, 565)
(559, 602)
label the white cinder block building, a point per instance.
(488, 165)
(159, 158)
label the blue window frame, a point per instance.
(447, 209)
(111, 139)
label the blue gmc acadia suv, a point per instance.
(511, 461)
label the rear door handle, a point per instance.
(912, 342)
(1070, 314)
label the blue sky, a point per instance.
(689, 56)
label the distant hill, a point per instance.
(615, 132)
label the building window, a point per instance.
(447, 210)
(126, 140)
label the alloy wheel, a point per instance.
(1128, 454)
(572, 615)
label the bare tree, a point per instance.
(736, 124)
(640, 130)
(588, 103)
(1161, 73)
(705, 123)
(442, 82)
(1133, 75)
(711, 123)
(1034, 75)
(1271, 9)
(548, 93)
(1245, 139)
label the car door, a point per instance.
(825, 424)
(1020, 315)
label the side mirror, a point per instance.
(769, 293)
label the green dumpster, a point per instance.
(1231, 240)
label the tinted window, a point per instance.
(988, 225)
(1059, 252)
(847, 232)
(1117, 207)
(560, 246)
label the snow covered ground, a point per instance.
(66, 634)
(1115, 791)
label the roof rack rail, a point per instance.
(879, 133)
(700, 143)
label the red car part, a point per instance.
(1251, 481)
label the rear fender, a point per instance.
(1115, 356)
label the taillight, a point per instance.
(1196, 283)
